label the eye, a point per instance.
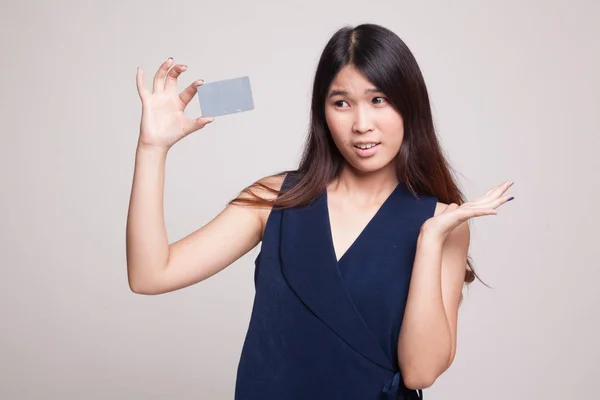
(337, 103)
(382, 99)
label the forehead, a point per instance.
(351, 80)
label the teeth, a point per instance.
(365, 146)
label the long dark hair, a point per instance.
(389, 64)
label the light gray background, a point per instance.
(514, 87)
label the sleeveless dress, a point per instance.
(323, 329)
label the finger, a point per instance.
(502, 200)
(159, 77)
(141, 83)
(497, 190)
(502, 188)
(486, 194)
(172, 75)
(196, 124)
(189, 92)
(478, 212)
(495, 203)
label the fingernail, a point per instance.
(510, 198)
(170, 58)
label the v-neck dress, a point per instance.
(323, 329)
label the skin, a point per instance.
(356, 111)
(427, 342)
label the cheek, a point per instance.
(395, 129)
(336, 126)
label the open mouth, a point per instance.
(366, 149)
(366, 146)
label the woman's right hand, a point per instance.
(163, 121)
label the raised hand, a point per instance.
(442, 224)
(163, 121)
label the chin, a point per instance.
(369, 165)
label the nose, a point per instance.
(362, 121)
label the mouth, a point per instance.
(366, 149)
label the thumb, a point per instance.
(451, 207)
(198, 123)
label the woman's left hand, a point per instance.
(454, 215)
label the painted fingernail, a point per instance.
(170, 58)
(510, 198)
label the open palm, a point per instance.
(443, 223)
(163, 120)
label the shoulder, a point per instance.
(269, 186)
(265, 189)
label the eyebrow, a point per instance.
(345, 93)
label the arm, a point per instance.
(427, 342)
(154, 266)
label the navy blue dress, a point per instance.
(323, 329)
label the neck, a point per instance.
(365, 187)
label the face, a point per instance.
(365, 126)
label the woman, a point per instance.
(364, 247)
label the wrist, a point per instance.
(431, 237)
(152, 149)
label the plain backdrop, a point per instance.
(515, 94)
